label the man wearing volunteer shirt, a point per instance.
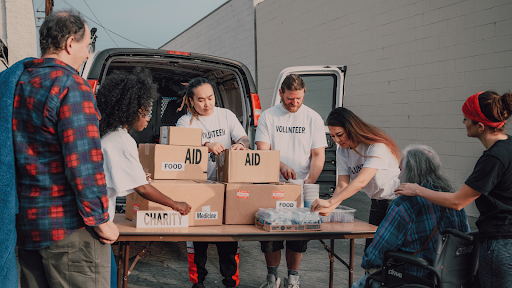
(297, 131)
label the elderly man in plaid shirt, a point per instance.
(64, 235)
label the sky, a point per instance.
(147, 22)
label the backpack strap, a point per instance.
(443, 209)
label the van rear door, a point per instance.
(324, 92)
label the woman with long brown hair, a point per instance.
(489, 185)
(367, 159)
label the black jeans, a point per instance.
(378, 211)
(228, 262)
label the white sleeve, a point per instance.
(319, 138)
(236, 129)
(381, 156)
(126, 171)
(341, 162)
(262, 133)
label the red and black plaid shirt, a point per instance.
(59, 164)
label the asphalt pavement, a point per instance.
(165, 263)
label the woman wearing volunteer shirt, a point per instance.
(489, 185)
(367, 159)
(220, 127)
(124, 101)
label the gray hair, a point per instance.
(421, 165)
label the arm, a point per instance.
(388, 237)
(323, 206)
(326, 206)
(286, 171)
(149, 192)
(457, 200)
(242, 144)
(316, 166)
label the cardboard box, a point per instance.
(181, 136)
(244, 200)
(287, 228)
(205, 197)
(174, 162)
(248, 166)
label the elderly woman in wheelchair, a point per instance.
(403, 250)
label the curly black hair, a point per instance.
(58, 27)
(121, 97)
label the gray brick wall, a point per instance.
(227, 32)
(411, 64)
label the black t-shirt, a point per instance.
(492, 177)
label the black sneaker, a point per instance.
(198, 285)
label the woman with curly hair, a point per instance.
(124, 101)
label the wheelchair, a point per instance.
(457, 268)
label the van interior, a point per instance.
(169, 76)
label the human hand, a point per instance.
(238, 146)
(108, 232)
(324, 207)
(215, 147)
(182, 207)
(408, 189)
(287, 172)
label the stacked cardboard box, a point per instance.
(179, 170)
(252, 182)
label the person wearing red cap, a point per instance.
(489, 185)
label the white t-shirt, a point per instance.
(293, 134)
(222, 126)
(383, 184)
(123, 170)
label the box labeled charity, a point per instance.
(248, 166)
(174, 162)
(205, 197)
(181, 136)
(160, 219)
(287, 220)
(243, 200)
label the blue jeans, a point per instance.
(495, 263)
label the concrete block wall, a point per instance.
(18, 29)
(227, 32)
(411, 63)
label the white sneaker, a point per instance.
(272, 282)
(291, 282)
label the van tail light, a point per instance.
(177, 52)
(94, 84)
(256, 108)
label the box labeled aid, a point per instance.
(248, 166)
(244, 200)
(174, 162)
(181, 136)
(205, 197)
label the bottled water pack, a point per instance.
(291, 216)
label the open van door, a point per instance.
(324, 92)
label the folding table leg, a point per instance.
(331, 270)
(126, 262)
(351, 264)
(120, 254)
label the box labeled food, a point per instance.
(174, 162)
(205, 197)
(287, 228)
(244, 199)
(248, 166)
(181, 136)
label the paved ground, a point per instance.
(165, 263)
